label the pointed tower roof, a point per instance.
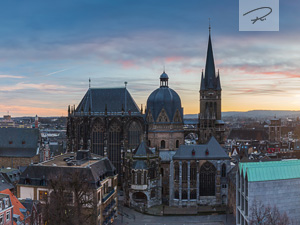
(210, 80)
(142, 150)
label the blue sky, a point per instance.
(49, 49)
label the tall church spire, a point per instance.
(210, 79)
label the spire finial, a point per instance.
(209, 28)
(89, 82)
(164, 68)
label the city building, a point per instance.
(19, 214)
(142, 183)
(6, 210)
(275, 130)
(19, 147)
(93, 170)
(272, 183)
(198, 175)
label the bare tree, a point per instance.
(267, 215)
(70, 201)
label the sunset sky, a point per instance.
(49, 49)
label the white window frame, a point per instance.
(8, 216)
(1, 217)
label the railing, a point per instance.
(105, 114)
(108, 195)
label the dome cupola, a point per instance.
(164, 102)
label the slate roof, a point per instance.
(210, 80)
(248, 134)
(166, 156)
(215, 151)
(96, 99)
(4, 184)
(271, 170)
(19, 142)
(93, 171)
(139, 165)
(142, 151)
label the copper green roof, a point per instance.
(271, 170)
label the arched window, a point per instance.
(207, 179)
(163, 144)
(133, 177)
(145, 177)
(176, 170)
(223, 170)
(98, 139)
(184, 171)
(193, 194)
(176, 194)
(193, 172)
(184, 195)
(139, 177)
(134, 135)
(177, 143)
(152, 171)
(114, 146)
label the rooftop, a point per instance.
(69, 160)
(271, 170)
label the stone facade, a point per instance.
(142, 183)
(15, 162)
(185, 189)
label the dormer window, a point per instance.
(206, 152)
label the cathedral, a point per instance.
(148, 149)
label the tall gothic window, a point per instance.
(184, 195)
(152, 171)
(176, 169)
(193, 172)
(114, 146)
(176, 194)
(133, 177)
(134, 135)
(224, 170)
(98, 139)
(184, 171)
(139, 177)
(207, 179)
(193, 194)
(177, 143)
(163, 144)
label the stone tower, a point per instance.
(210, 119)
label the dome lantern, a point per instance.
(164, 80)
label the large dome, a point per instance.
(164, 98)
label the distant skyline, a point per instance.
(50, 49)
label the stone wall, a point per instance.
(285, 194)
(15, 162)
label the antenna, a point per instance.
(209, 28)
(89, 82)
